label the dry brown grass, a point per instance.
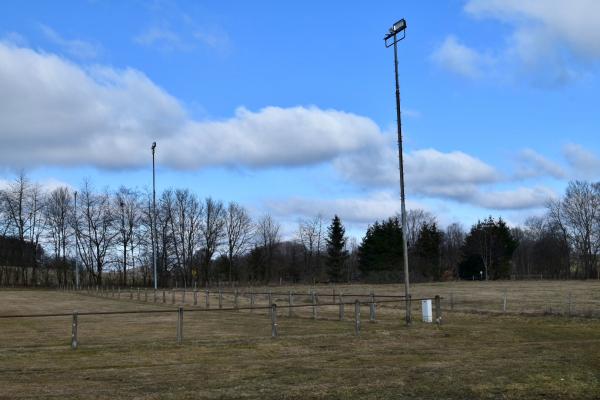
(231, 354)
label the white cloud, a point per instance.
(460, 59)
(515, 199)
(55, 112)
(74, 47)
(162, 38)
(533, 164)
(585, 164)
(549, 42)
(357, 210)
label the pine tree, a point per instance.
(336, 252)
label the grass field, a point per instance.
(231, 354)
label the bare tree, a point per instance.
(97, 233)
(415, 220)
(213, 233)
(268, 238)
(452, 243)
(128, 214)
(59, 217)
(239, 232)
(310, 234)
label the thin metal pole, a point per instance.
(154, 244)
(356, 317)
(74, 341)
(76, 245)
(273, 320)
(180, 325)
(402, 195)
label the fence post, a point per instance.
(273, 320)
(183, 296)
(408, 310)
(438, 310)
(451, 301)
(314, 305)
(146, 295)
(356, 317)
(164, 296)
(195, 297)
(270, 296)
(290, 303)
(569, 306)
(372, 307)
(130, 293)
(220, 298)
(138, 294)
(235, 299)
(207, 292)
(155, 295)
(119, 295)
(180, 325)
(504, 302)
(333, 295)
(112, 291)
(252, 300)
(74, 341)
(341, 305)
(173, 296)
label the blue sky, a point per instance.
(288, 107)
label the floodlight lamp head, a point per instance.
(153, 145)
(398, 27)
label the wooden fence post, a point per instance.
(180, 325)
(341, 305)
(130, 293)
(290, 303)
(438, 310)
(173, 296)
(569, 309)
(138, 294)
(235, 299)
(372, 307)
(504, 302)
(314, 305)
(183, 297)
(451, 301)
(74, 341)
(273, 320)
(251, 300)
(207, 293)
(164, 296)
(119, 292)
(195, 297)
(356, 317)
(220, 298)
(146, 295)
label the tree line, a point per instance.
(108, 236)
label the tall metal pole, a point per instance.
(76, 245)
(154, 244)
(402, 197)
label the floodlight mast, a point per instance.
(396, 29)
(153, 231)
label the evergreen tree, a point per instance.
(428, 251)
(488, 250)
(380, 253)
(336, 252)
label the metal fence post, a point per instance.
(438, 310)
(504, 302)
(74, 341)
(273, 320)
(290, 303)
(179, 325)
(356, 317)
(372, 307)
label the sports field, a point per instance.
(492, 354)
